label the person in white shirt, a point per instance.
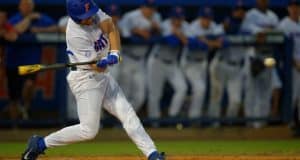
(262, 84)
(227, 67)
(139, 27)
(91, 35)
(163, 65)
(203, 38)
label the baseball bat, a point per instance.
(30, 69)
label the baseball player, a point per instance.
(290, 25)
(138, 27)
(202, 41)
(163, 65)
(92, 35)
(260, 83)
(226, 69)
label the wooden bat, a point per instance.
(30, 69)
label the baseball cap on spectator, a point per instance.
(206, 12)
(149, 3)
(294, 2)
(177, 12)
(113, 10)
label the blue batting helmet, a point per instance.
(81, 9)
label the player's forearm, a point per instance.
(22, 26)
(114, 39)
(52, 28)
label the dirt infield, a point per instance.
(174, 158)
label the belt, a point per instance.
(167, 61)
(198, 59)
(80, 69)
(132, 56)
(232, 63)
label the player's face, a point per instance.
(2, 18)
(177, 22)
(205, 22)
(26, 7)
(262, 4)
(88, 21)
(239, 13)
(148, 12)
(294, 11)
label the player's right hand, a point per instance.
(102, 63)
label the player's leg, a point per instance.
(264, 92)
(14, 84)
(198, 84)
(155, 80)
(177, 80)
(89, 103)
(250, 96)
(89, 107)
(139, 86)
(217, 80)
(116, 104)
(234, 91)
(126, 76)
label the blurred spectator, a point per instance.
(27, 22)
(262, 84)
(226, 69)
(163, 65)
(204, 39)
(7, 33)
(290, 25)
(140, 27)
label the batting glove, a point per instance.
(113, 57)
(102, 63)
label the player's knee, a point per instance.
(199, 90)
(88, 133)
(181, 89)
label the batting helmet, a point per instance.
(81, 9)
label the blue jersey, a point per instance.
(26, 53)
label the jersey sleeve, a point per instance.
(63, 21)
(102, 16)
(125, 25)
(249, 24)
(14, 19)
(186, 29)
(166, 28)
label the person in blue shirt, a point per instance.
(27, 23)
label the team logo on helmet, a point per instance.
(87, 7)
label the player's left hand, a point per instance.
(113, 57)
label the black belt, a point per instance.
(167, 61)
(198, 59)
(132, 56)
(80, 69)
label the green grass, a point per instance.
(284, 147)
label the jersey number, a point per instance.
(101, 43)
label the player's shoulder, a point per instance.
(252, 11)
(285, 20)
(272, 14)
(133, 13)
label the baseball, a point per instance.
(269, 62)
